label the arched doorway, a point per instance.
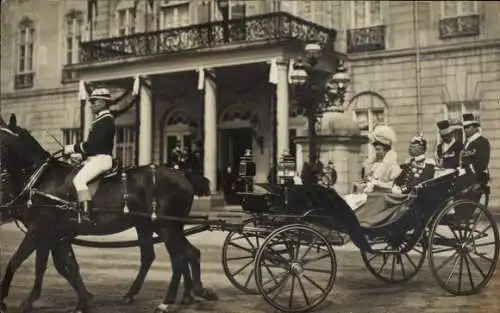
(236, 128)
(177, 127)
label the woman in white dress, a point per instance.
(380, 170)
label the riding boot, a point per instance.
(85, 212)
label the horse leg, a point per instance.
(66, 271)
(145, 238)
(193, 255)
(42, 257)
(67, 264)
(25, 249)
(175, 247)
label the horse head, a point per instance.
(20, 152)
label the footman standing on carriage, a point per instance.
(97, 149)
(448, 151)
(416, 169)
(475, 156)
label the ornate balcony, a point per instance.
(366, 39)
(459, 26)
(24, 80)
(267, 28)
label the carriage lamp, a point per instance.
(315, 93)
(247, 170)
(287, 167)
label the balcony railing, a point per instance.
(366, 39)
(260, 28)
(459, 26)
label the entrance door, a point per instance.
(238, 141)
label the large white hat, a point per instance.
(101, 93)
(384, 135)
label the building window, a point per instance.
(73, 37)
(174, 16)
(125, 143)
(369, 111)
(453, 112)
(25, 53)
(366, 32)
(365, 14)
(237, 9)
(126, 21)
(458, 8)
(71, 135)
(458, 18)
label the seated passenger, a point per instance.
(416, 169)
(383, 168)
(448, 151)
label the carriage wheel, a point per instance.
(464, 247)
(394, 267)
(238, 254)
(295, 268)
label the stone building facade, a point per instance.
(452, 66)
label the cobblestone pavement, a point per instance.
(108, 274)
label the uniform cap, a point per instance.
(470, 119)
(101, 93)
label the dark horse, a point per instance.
(51, 227)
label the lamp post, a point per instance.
(316, 92)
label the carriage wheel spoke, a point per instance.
(484, 244)
(304, 293)
(460, 269)
(316, 259)
(410, 260)
(477, 266)
(236, 258)
(393, 266)
(281, 285)
(403, 271)
(240, 247)
(292, 289)
(250, 243)
(316, 270)
(452, 269)
(243, 268)
(474, 226)
(249, 278)
(274, 278)
(384, 256)
(446, 261)
(313, 282)
(467, 265)
(435, 251)
(309, 248)
(482, 256)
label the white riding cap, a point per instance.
(101, 93)
(384, 135)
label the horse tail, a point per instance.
(201, 184)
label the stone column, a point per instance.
(88, 118)
(146, 122)
(210, 137)
(282, 108)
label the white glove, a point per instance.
(396, 190)
(369, 187)
(69, 149)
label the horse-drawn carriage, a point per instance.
(294, 227)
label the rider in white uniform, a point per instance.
(97, 149)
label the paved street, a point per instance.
(108, 274)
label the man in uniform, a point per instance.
(416, 169)
(475, 156)
(97, 149)
(448, 151)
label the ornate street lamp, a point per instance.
(316, 92)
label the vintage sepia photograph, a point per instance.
(249, 156)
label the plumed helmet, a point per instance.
(419, 140)
(101, 93)
(383, 134)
